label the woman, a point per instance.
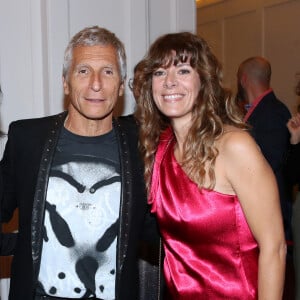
(212, 191)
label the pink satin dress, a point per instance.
(210, 252)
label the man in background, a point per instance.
(293, 175)
(267, 117)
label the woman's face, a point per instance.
(175, 91)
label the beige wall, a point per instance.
(271, 28)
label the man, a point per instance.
(77, 180)
(267, 117)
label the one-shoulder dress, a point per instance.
(210, 252)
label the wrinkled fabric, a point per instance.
(210, 252)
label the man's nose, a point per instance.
(96, 82)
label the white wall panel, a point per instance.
(282, 47)
(56, 36)
(20, 61)
(241, 40)
(213, 33)
(181, 16)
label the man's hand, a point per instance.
(293, 126)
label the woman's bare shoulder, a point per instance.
(237, 142)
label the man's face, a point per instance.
(93, 83)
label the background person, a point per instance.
(267, 117)
(293, 175)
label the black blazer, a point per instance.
(268, 127)
(25, 167)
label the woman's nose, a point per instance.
(170, 80)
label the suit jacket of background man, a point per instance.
(268, 121)
(26, 165)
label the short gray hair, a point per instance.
(258, 68)
(94, 36)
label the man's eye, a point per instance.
(108, 72)
(82, 71)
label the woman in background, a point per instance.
(212, 191)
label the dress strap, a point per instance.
(165, 140)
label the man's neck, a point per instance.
(256, 93)
(85, 127)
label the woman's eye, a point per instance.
(158, 73)
(184, 71)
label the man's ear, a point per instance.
(244, 79)
(121, 88)
(66, 86)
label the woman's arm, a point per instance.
(253, 181)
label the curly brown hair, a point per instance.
(214, 107)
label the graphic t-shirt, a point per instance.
(81, 218)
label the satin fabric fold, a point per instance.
(210, 252)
